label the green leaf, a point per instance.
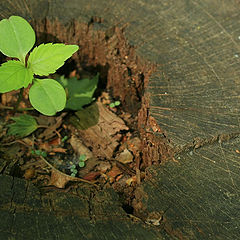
(13, 76)
(47, 96)
(23, 126)
(73, 167)
(117, 103)
(111, 105)
(16, 37)
(64, 139)
(74, 170)
(80, 92)
(39, 153)
(82, 157)
(81, 164)
(47, 58)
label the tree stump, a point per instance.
(181, 60)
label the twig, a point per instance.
(19, 109)
(20, 96)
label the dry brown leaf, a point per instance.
(59, 150)
(119, 177)
(131, 180)
(115, 171)
(59, 179)
(91, 176)
(29, 173)
(53, 124)
(55, 142)
(45, 146)
(125, 157)
(79, 148)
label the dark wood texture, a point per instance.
(193, 95)
(25, 213)
(198, 197)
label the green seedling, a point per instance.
(23, 125)
(79, 92)
(65, 138)
(114, 104)
(81, 164)
(82, 159)
(16, 40)
(73, 170)
(39, 153)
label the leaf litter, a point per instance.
(111, 148)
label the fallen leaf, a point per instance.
(79, 148)
(45, 146)
(91, 176)
(131, 180)
(56, 141)
(53, 124)
(59, 179)
(103, 167)
(115, 171)
(59, 150)
(29, 173)
(125, 157)
(119, 177)
(134, 144)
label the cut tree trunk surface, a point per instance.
(181, 60)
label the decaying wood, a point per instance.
(84, 214)
(104, 136)
(186, 107)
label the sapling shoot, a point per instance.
(17, 38)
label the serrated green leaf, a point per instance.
(13, 76)
(47, 96)
(23, 126)
(16, 37)
(80, 92)
(47, 58)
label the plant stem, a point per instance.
(18, 109)
(20, 96)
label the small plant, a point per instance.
(79, 92)
(114, 104)
(81, 164)
(39, 153)
(64, 139)
(82, 159)
(73, 170)
(16, 40)
(23, 125)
